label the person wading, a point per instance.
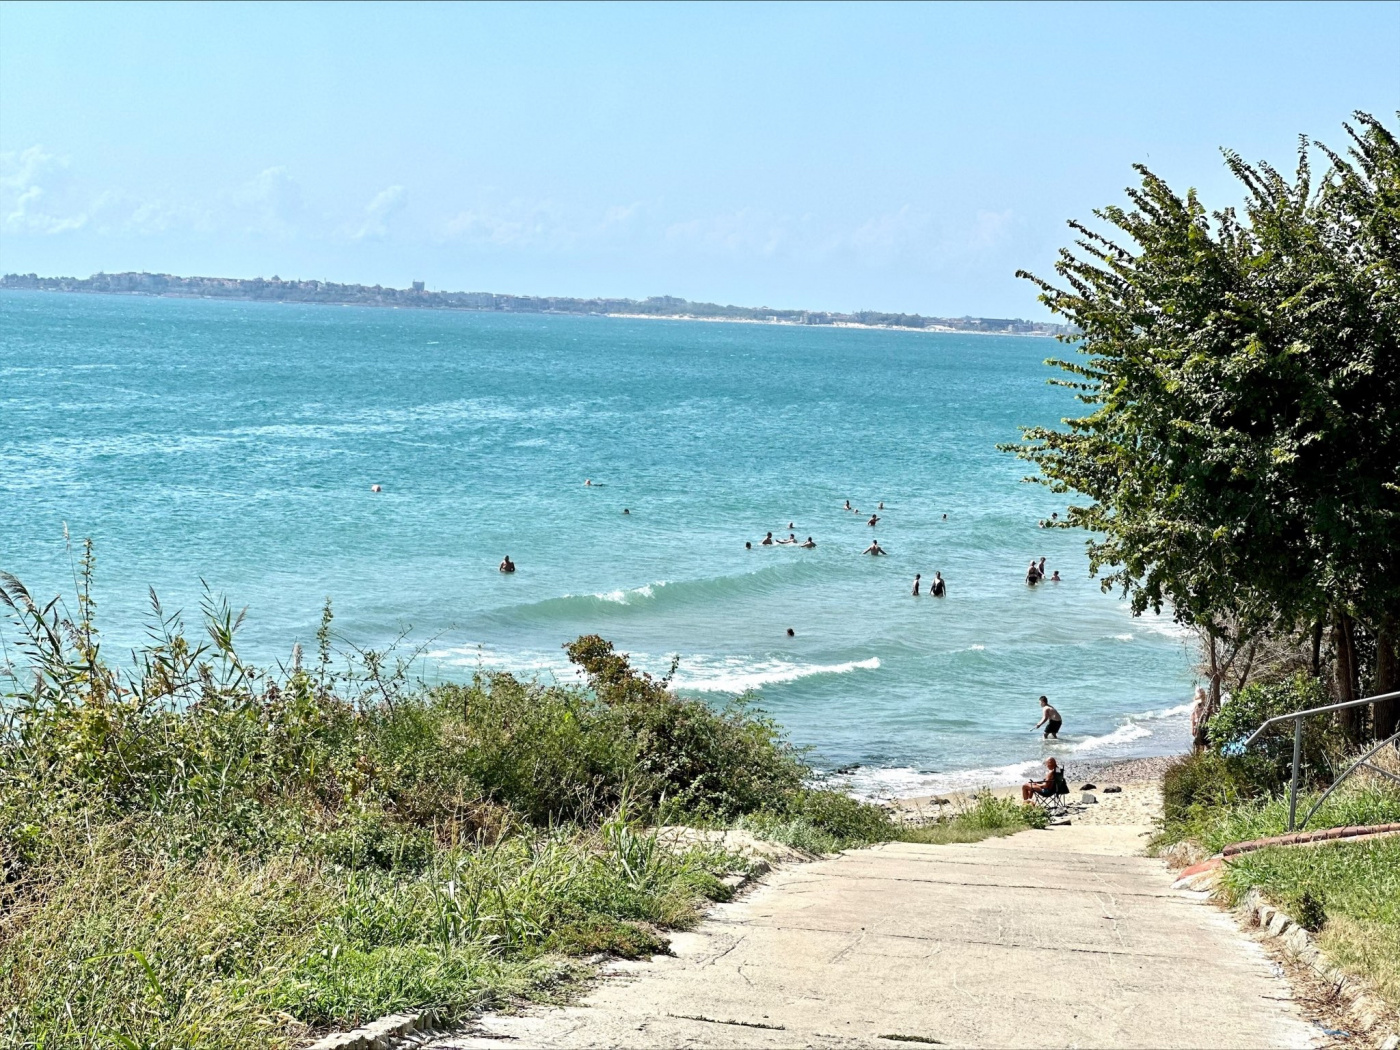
(1050, 719)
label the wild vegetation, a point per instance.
(1242, 372)
(198, 851)
(1349, 893)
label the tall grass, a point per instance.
(199, 851)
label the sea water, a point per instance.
(237, 443)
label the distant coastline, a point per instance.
(661, 307)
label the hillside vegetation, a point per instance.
(200, 852)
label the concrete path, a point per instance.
(1065, 937)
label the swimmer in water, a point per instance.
(626, 511)
(588, 481)
(945, 517)
(792, 633)
(791, 525)
(848, 505)
(1056, 577)
(1032, 575)
(873, 519)
(875, 548)
(938, 588)
(917, 578)
(790, 541)
(506, 565)
(748, 546)
(767, 541)
(1041, 568)
(881, 506)
(375, 488)
(809, 544)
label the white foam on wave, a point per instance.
(624, 597)
(699, 674)
(907, 782)
(1146, 732)
(739, 676)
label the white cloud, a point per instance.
(521, 224)
(25, 204)
(746, 232)
(386, 203)
(885, 238)
(270, 203)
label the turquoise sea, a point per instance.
(237, 442)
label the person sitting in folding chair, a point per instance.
(1051, 789)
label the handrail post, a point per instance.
(1293, 785)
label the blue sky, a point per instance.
(884, 157)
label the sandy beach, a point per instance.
(1138, 799)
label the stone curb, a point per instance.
(1358, 831)
(1296, 942)
(387, 1033)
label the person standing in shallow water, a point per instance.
(506, 564)
(1050, 719)
(938, 588)
(917, 577)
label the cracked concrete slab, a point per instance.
(1064, 937)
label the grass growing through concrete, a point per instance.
(197, 851)
(1352, 889)
(1349, 891)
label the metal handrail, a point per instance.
(1296, 717)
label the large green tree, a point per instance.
(1241, 449)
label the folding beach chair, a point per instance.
(1054, 803)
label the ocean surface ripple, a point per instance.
(237, 442)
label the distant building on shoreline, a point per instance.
(417, 296)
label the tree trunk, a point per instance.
(1352, 720)
(1387, 712)
(1213, 705)
(1317, 649)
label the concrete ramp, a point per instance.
(1065, 937)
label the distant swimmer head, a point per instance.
(588, 481)
(881, 506)
(626, 511)
(748, 546)
(376, 488)
(791, 525)
(506, 564)
(945, 517)
(792, 633)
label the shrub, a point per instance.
(1199, 780)
(1268, 763)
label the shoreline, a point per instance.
(448, 308)
(1139, 800)
(926, 329)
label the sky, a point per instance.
(903, 157)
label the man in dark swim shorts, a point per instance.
(1050, 719)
